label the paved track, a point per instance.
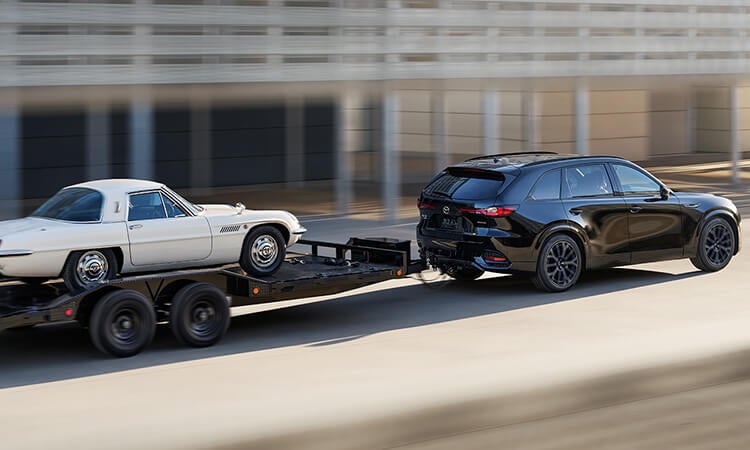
(371, 352)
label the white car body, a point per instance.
(207, 235)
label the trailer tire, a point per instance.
(199, 315)
(123, 323)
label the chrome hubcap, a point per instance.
(719, 244)
(561, 264)
(264, 251)
(92, 267)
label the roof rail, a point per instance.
(502, 155)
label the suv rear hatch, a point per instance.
(460, 200)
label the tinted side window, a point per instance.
(587, 181)
(548, 186)
(145, 206)
(634, 181)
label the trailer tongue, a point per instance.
(122, 314)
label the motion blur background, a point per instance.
(319, 106)
(340, 111)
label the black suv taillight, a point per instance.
(494, 211)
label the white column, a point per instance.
(98, 164)
(530, 111)
(10, 155)
(391, 164)
(734, 131)
(692, 123)
(490, 122)
(345, 108)
(141, 137)
(294, 142)
(201, 168)
(439, 129)
(582, 119)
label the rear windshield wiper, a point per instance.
(441, 193)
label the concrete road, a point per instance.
(369, 353)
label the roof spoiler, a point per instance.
(502, 155)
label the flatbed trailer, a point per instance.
(121, 314)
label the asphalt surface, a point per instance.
(373, 351)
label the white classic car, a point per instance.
(90, 232)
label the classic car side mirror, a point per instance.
(240, 207)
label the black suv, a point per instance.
(553, 215)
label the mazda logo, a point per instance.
(446, 210)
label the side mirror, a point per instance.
(240, 208)
(664, 193)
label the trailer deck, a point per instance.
(359, 262)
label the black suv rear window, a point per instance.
(466, 185)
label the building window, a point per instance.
(308, 3)
(363, 59)
(419, 57)
(177, 30)
(601, 32)
(420, 4)
(363, 31)
(307, 31)
(306, 59)
(561, 32)
(611, 8)
(665, 32)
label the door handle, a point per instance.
(635, 208)
(576, 211)
(136, 226)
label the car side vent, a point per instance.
(229, 229)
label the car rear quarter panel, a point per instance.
(52, 243)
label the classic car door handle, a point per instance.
(635, 208)
(135, 226)
(576, 211)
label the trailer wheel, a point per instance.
(199, 315)
(122, 323)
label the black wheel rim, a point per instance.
(126, 326)
(561, 264)
(203, 320)
(719, 244)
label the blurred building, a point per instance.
(355, 95)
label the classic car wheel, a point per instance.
(263, 251)
(715, 246)
(85, 269)
(123, 323)
(559, 264)
(199, 315)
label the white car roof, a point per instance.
(117, 186)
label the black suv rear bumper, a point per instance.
(477, 253)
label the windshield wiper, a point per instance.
(441, 193)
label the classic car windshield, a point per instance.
(73, 205)
(195, 209)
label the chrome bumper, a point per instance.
(4, 253)
(300, 230)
